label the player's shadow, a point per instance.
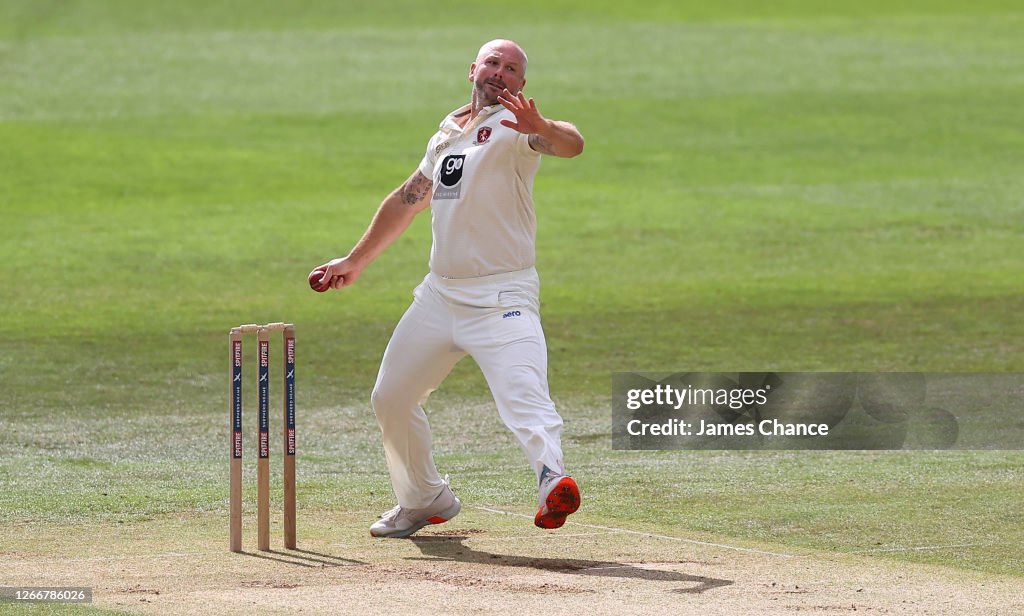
(453, 548)
(305, 558)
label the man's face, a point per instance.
(498, 66)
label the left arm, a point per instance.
(546, 136)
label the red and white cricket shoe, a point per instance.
(402, 522)
(559, 496)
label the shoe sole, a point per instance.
(563, 499)
(440, 518)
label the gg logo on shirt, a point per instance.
(449, 184)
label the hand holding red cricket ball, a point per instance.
(314, 280)
(335, 274)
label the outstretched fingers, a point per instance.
(510, 101)
(528, 119)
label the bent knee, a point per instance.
(383, 399)
(391, 401)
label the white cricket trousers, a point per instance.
(496, 320)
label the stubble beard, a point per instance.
(483, 97)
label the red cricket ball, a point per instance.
(314, 280)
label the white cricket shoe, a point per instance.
(558, 497)
(402, 522)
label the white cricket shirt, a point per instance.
(482, 205)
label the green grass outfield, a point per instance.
(812, 186)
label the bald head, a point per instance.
(504, 47)
(500, 64)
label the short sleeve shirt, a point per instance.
(482, 214)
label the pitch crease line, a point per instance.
(122, 557)
(920, 548)
(653, 535)
(559, 535)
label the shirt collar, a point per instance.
(450, 124)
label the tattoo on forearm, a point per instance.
(540, 144)
(416, 189)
